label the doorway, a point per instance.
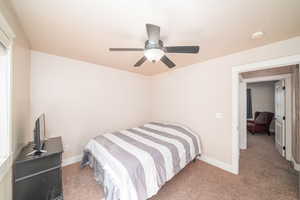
(271, 101)
(236, 88)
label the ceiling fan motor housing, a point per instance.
(154, 45)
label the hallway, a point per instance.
(261, 166)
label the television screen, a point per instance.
(39, 132)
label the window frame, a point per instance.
(6, 114)
(6, 81)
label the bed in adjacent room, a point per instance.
(135, 163)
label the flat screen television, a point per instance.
(39, 134)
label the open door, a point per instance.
(280, 117)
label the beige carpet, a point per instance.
(263, 175)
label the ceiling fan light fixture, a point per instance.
(154, 54)
(154, 49)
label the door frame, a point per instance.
(236, 70)
(288, 109)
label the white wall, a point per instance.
(6, 186)
(263, 97)
(20, 92)
(193, 95)
(82, 100)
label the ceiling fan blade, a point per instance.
(167, 61)
(153, 32)
(126, 49)
(182, 49)
(140, 61)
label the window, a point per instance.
(4, 102)
(6, 36)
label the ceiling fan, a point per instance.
(154, 48)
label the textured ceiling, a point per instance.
(84, 30)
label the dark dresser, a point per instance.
(39, 177)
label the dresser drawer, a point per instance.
(24, 169)
(46, 186)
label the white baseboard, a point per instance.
(71, 160)
(219, 164)
(296, 167)
(211, 161)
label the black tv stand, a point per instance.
(39, 176)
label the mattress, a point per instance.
(134, 164)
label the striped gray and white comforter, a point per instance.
(134, 164)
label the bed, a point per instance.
(134, 164)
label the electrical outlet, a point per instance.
(219, 115)
(66, 147)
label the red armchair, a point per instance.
(261, 122)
